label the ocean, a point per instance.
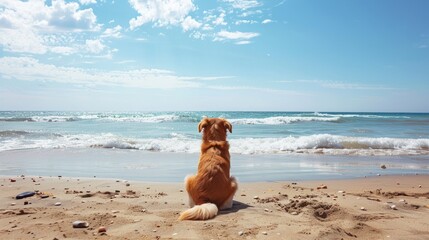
(253, 132)
(265, 146)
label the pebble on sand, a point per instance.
(80, 224)
(102, 229)
(363, 208)
(393, 207)
(383, 166)
(57, 204)
(240, 233)
(264, 233)
(322, 187)
(255, 197)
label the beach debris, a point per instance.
(383, 166)
(322, 187)
(25, 195)
(373, 199)
(240, 233)
(57, 204)
(102, 229)
(80, 224)
(393, 207)
(362, 208)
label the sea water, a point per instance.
(164, 146)
(253, 132)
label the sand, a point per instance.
(346, 209)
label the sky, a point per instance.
(219, 55)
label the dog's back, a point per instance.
(212, 183)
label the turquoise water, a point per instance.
(253, 132)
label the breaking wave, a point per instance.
(283, 120)
(313, 144)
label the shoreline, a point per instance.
(173, 167)
(261, 210)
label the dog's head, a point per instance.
(214, 129)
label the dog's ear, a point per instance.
(228, 126)
(203, 124)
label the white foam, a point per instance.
(144, 118)
(282, 120)
(321, 143)
(356, 115)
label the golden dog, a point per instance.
(212, 188)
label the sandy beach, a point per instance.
(385, 207)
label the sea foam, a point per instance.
(319, 143)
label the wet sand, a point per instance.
(385, 207)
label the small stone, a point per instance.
(341, 191)
(12, 180)
(264, 233)
(378, 174)
(393, 207)
(240, 233)
(127, 184)
(266, 210)
(401, 200)
(80, 224)
(115, 211)
(383, 166)
(420, 186)
(154, 230)
(243, 195)
(102, 229)
(255, 197)
(13, 204)
(57, 204)
(294, 213)
(363, 208)
(174, 234)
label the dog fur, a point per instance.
(212, 188)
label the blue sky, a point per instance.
(278, 55)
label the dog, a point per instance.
(212, 188)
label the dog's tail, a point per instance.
(200, 212)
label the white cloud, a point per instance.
(94, 46)
(239, 36)
(63, 50)
(86, 2)
(243, 4)
(161, 13)
(30, 69)
(220, 20)
(114, 32)
(190, 23)
(30, 26)
(267, 21)
(239, 22)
